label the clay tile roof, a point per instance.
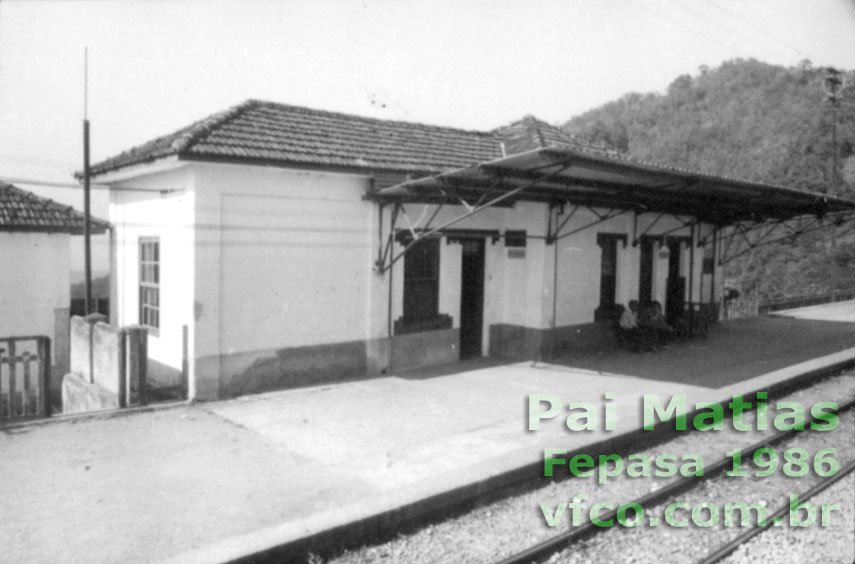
(281, 134)
(273, 133)
(531, 133)
(21, 210)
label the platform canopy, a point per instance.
(559, 175)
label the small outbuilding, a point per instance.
(35, 251)
(272, 246)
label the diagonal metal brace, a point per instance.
(417, 237)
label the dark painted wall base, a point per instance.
(264, 371)
(516, 341)
(431, 348)
(292, 368)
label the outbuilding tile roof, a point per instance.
(21, 210)
(531, 133)
(272, 133)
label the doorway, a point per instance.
(645, 272)
(472, 298)
(676, 284)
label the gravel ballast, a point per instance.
(833, 544)
(499, 529)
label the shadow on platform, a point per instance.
(732, 352)
(453, 368)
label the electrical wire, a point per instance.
(758, 29)
(682, 25)
(705, 18)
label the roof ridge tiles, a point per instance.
(357, 117)
(202, 128)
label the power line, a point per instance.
(731, 31)
(680, 24)
(744, 22)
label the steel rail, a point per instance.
(546, 548)
(730, 547)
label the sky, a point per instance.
(156, 65)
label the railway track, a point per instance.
(498, 526)
(551, 548)
(729, 548)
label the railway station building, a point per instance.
(272, 246)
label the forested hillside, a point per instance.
(755, 121)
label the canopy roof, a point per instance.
(562, 174)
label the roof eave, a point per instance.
(793, 202)
(135, 170)
(364, 170)
(95, 229)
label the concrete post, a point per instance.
(62, 347)
(91, 320)
(136, 364)
(94, 318)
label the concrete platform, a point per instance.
(225, 480)
(735, 351)
(838, 311)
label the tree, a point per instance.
(743, 119)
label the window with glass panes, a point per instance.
(150, 282)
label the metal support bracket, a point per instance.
(553, 235)
(761, 233)
(418, 234)
(636, 237)
(610, 214)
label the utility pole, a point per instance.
(87, 236)
(833, 84)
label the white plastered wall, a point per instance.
(274, 258)
(158, 205)
(579, 257)
(520, 291)
(516, 291)
(34, 282)
(284, 259)
(705, 291)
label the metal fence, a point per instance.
(24, 377)
(698, 318)
(740, 308)
(753, 307)
(99, 305)
(778, 304)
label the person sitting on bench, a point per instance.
(654, 322)
(629, 326)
